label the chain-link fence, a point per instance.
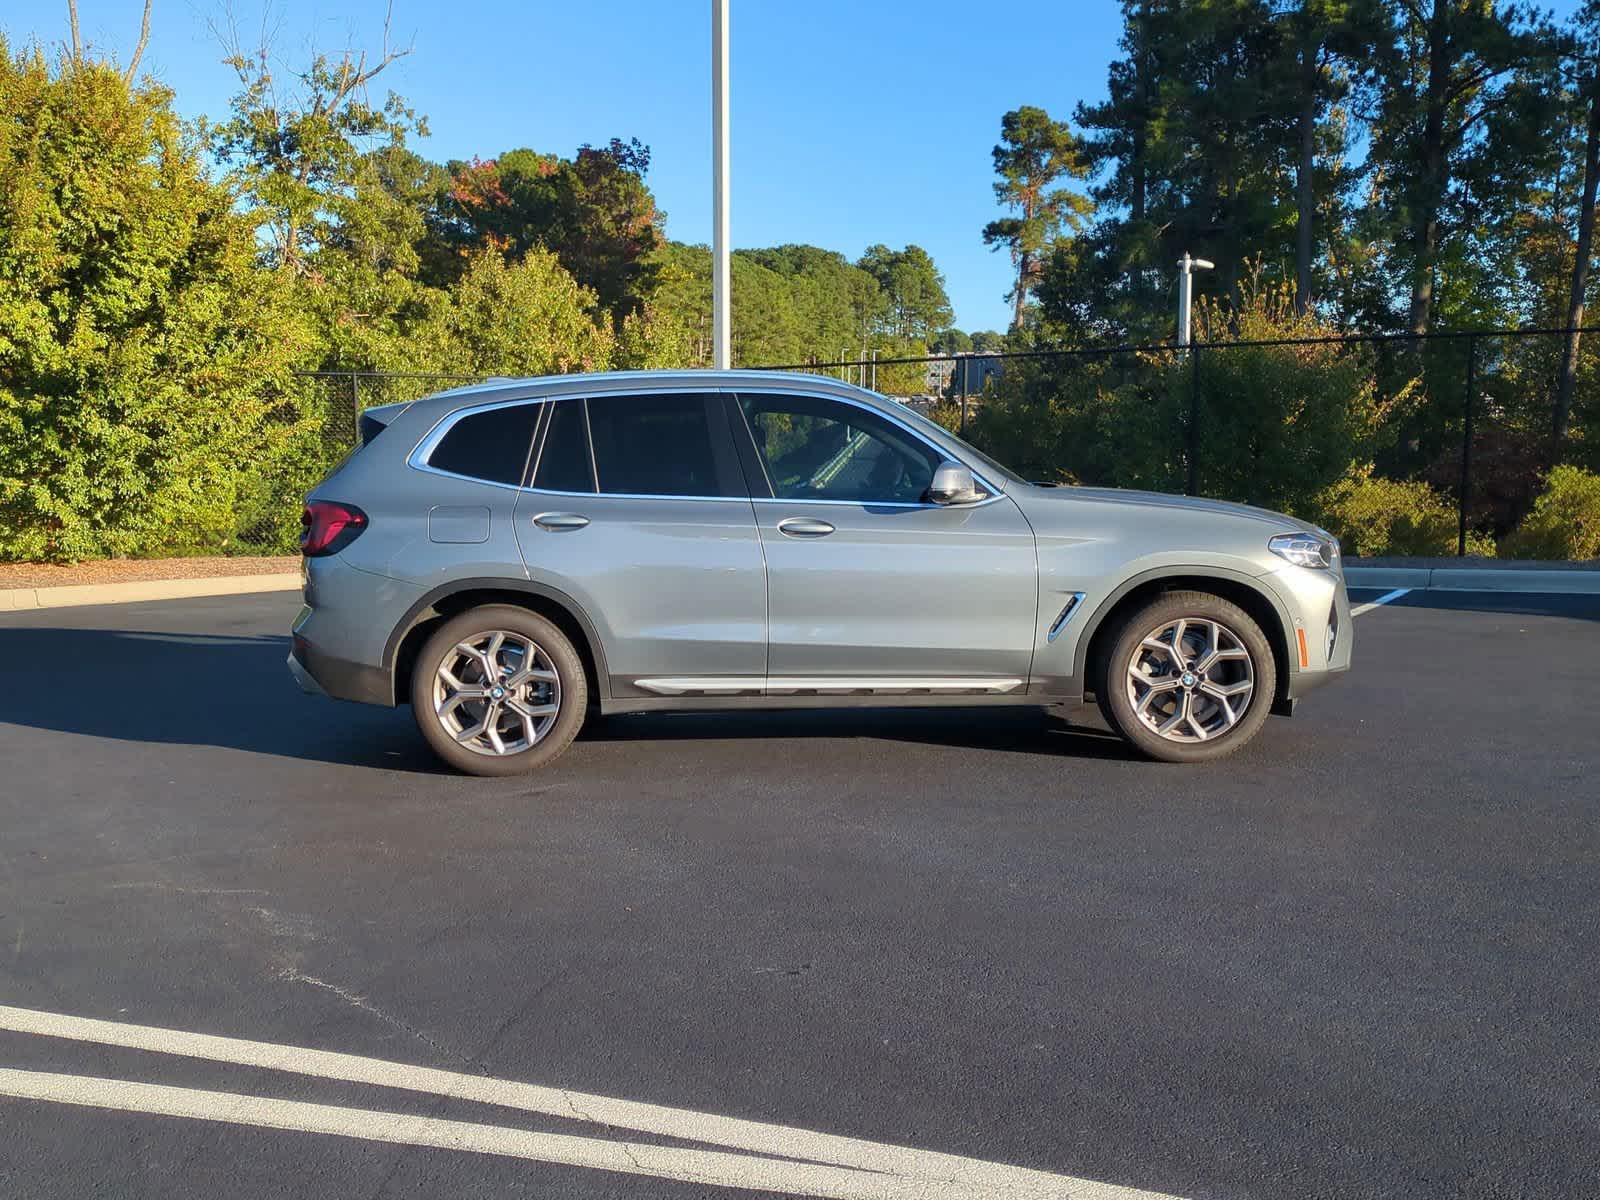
(320, 424)
(1443, 441)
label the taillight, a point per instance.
(327, 527)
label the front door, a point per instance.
(870, 588)
(638, 511)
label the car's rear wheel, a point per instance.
(498, 690)
(1189, 678)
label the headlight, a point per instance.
(1305, 549)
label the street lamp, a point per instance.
(721, 326)
(1187, 266)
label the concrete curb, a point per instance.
(1460, 579)
(19, 599)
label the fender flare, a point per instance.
(1080, 655)
(414, 616)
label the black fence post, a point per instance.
(963, 429)
(1466, 446)
(355, 408)
(1191, 483)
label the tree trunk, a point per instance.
(1580, 278)
(1305, 193)
(1432, 185)
(1024, 272)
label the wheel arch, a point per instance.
(1266, 609)
(452, 599)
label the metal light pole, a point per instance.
(721, 338)
(1186, 267)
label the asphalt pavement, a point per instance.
(1358, 959)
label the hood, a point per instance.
(1194, 504)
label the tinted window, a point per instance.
(655, 446)
(564, 459)
(815, 449)
(491, 445)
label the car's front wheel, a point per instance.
(498, 690)
(1189, 678)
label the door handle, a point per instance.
(560, 522)
(804, 527)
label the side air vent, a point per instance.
(1060, 623)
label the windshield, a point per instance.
(989, 465)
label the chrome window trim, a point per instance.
(417, 460)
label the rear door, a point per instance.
(870, 588)
(639, 512)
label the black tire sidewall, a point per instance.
(1113, 695)
(563, 656)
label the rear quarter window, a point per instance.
(492, 445)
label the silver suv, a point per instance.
(507, 556)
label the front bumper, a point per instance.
(1322, 632)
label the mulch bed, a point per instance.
(131, 570)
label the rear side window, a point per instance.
(492, 445)
(661, 446)
(564, 460)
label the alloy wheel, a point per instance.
(1190, 679)
(496, 693)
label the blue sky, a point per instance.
(853, 123)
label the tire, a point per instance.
(1169, 703)
(544, 694)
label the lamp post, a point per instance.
(721, 337)
(1187, 266)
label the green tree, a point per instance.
(145, 363)
(593, 211)
(1444, 68)
(913, 289)
(298, 152)
(1034, 154)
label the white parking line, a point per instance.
(834, 1166)
(1381, 600)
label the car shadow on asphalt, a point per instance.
(1020, 730)
(233, 691)
(196, 689)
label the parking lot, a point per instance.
(1357, 959)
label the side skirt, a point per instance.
(642, 704)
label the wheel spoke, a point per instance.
(531, 674)
(1225, 708)
(1154, 688)
(475, 731)
(1180, 714)
(1226, 691)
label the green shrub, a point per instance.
(144, 359)
(1565, 521)
(1372, 516)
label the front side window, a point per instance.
(819, 449)
(491, 445)
(659, 445)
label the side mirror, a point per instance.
(953, 484)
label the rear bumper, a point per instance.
(303, 679)
(321, 674)
(339, 637)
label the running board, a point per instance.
(823, 685)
